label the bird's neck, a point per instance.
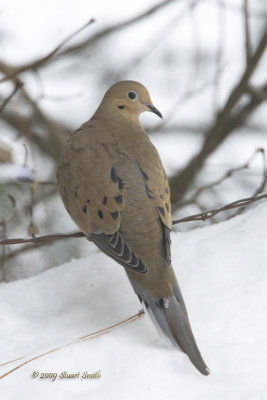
(116, 117)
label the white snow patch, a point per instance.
(223, 275)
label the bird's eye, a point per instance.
(132, 95)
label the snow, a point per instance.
(223, 276)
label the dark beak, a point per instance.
(154, 110)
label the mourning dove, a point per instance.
(114, 187)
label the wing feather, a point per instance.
(115, 247)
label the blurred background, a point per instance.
(204, 63)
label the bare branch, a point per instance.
(11, 72)
(196, 217)
(209, 214)
(225, 123)
(18, 85)
(219, 56)
(229, 174)
(264, 175)
(11, 361)
(115, 28)
(42, 239)
(34, 182)
(181, 101)
(247, 32)
(55, 133)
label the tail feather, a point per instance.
(179, 297)
(170, 315)
(180, 328)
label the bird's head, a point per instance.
(128, 99)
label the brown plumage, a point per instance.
(114, 187)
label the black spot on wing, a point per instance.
(149, 192)
(167, 207)
(100, 214)
(113, 175)
(145, 176)
(115, 178)
(149, 195)
(147, 189)
(104, 200)
(118, 199)
(85, 209)
(114, 214)
(88, 201)
(121, 184)
(162, 211)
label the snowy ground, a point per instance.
(223, 275)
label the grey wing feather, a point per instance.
(167, 239)
(115, 247)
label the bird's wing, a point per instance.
(116, 247)
(158, 192)
(91, 190)
(160, 196)
(93, 194)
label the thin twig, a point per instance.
(196, 217)
(115, 28)
(247, 32)
(42, 239)
(229, 174)
(227, 120)
(181, 102)
(11, 361)
(262, 186)
(79, 340)
(209, 214)
(264, 175)
(18, 85)
(3, 255)
(33, 182)
(11, 72)
(219, 57)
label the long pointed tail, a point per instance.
(170, 314)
